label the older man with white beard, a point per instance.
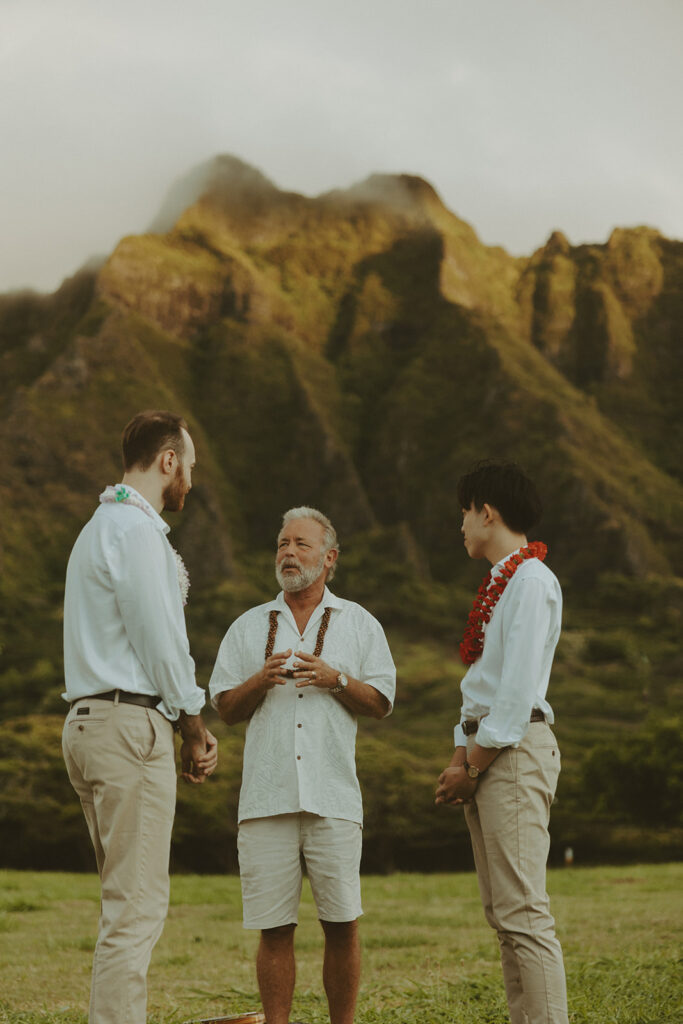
(300, 794)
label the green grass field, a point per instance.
(428, 955)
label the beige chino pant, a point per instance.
(508, 823)
(121, 762)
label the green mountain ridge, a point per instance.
(356, 351)
(359, 350)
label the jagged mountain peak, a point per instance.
(620, 236)
(557, 245)
(228, 181)
(400, 191)
(222, 176)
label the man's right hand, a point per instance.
(199, 749)
(240, 703)
(206, 762)
(272, 673)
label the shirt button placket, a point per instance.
(300, 695)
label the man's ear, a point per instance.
(329, 561)
(491, 514)
(167, 462)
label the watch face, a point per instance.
(473, 772)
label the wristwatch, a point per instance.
(342, 683)
(472, 770)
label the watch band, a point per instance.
(342, 683)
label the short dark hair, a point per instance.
(505, 487)
(149, 433)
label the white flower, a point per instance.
(183, 575)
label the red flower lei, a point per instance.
(488, 597)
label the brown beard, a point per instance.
(173, 495)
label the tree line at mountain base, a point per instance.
(615, 688)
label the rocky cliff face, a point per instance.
(608, 317)
(583, 306)
(356, 351)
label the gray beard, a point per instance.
(304, 577)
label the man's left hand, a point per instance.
(312, 671)
(209, 759)
(455, 787)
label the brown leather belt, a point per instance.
(143, 700)
(470, 725)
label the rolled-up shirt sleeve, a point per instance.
(145, 582)
(526, 629)
(459, 738)
(229, 671)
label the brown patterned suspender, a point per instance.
(324, 623)
(272, 630)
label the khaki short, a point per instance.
(270, 854)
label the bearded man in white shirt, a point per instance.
(506, 760)
(129, 678)
(300, 669)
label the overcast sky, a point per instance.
(526, 115)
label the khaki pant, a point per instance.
(508, 823)
(121, 762)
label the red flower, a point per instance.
(472, 643)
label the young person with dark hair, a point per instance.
(506, 762)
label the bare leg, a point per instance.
(341, 969)
(275, 970)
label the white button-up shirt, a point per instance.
(299, 753)
(124, 625)
(511, 676)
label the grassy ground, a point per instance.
(428, 956)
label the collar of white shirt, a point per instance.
(501, 561)
(329, 600)
(142, 503)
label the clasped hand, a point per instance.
(307, 671)
(199, 758)
(455, 787)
